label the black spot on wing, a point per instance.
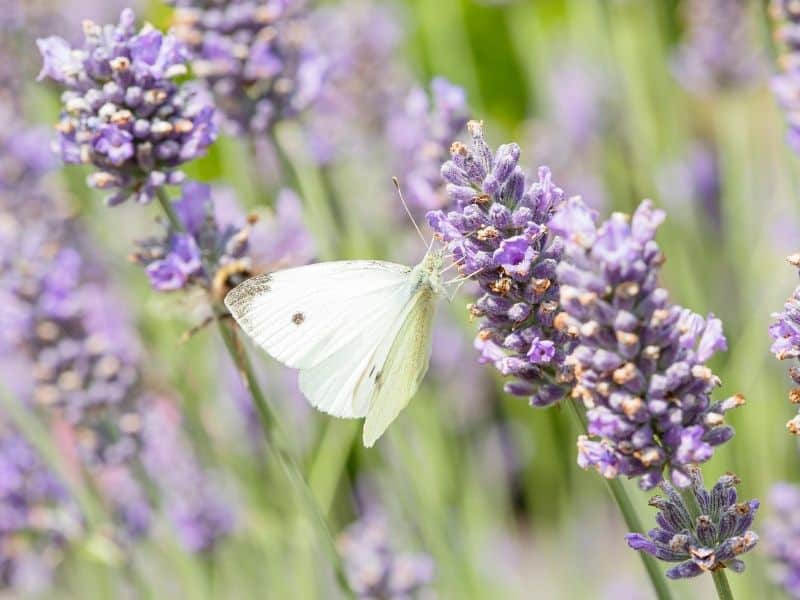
(298, 318)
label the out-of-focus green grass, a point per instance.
(439, 482)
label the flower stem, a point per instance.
(631, 519)
(275, 440)
(169, 210)
(269, 422)
(332, 196)
(722, 585)
(289, 173)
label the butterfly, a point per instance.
(359, 331)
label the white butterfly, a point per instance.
(359, 331)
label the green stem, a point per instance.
(332, 196)
(631, 519)
(275, 440)
(269, 421)
(169, 210)
(288, 172)
(722, 585)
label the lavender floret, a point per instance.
(786, 333)
(639, 363)
(219, 246)
(496, 229)
(123, 111)
(702, 530)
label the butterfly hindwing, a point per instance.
(401, 373)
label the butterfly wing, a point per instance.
(400, 373)
(326, 319)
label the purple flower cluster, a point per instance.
(200, 515)
(37, 518)
(421, 134)
(786, 333)
(123, 112)
(376, 570)
(639, 363)
(258, 58)
(63, 320)
(782, 536)
(702, 530)
(719, 51)
(786, 85)
(497, 231)
(219, 247)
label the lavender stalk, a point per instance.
(630, 516)
(497, 227)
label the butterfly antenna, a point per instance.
(396, 183)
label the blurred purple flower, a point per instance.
(719, 50)
(782, 534)
(199, 512)
(580, 109)
(639, 361)
(703, 542)
(375, 569)
(122, 111)
(420, 134)
(786, 85)
(360, 39)
(496, 229)
(260, 59)
(696, 178)
(36, 515)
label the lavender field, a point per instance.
(612, 188)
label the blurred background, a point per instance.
(476, 490)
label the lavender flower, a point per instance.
(497, 231)
(123, 112)
(421, 134)
(786, 85)
(258, 58)
(781, 535)
(374, 569)
(38, 519)
(195, 504)
(786, 333)
(639, 363)
(719, 50)
(702, 530)
(219, 246)
(82, 353)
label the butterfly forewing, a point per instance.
(327, 319)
